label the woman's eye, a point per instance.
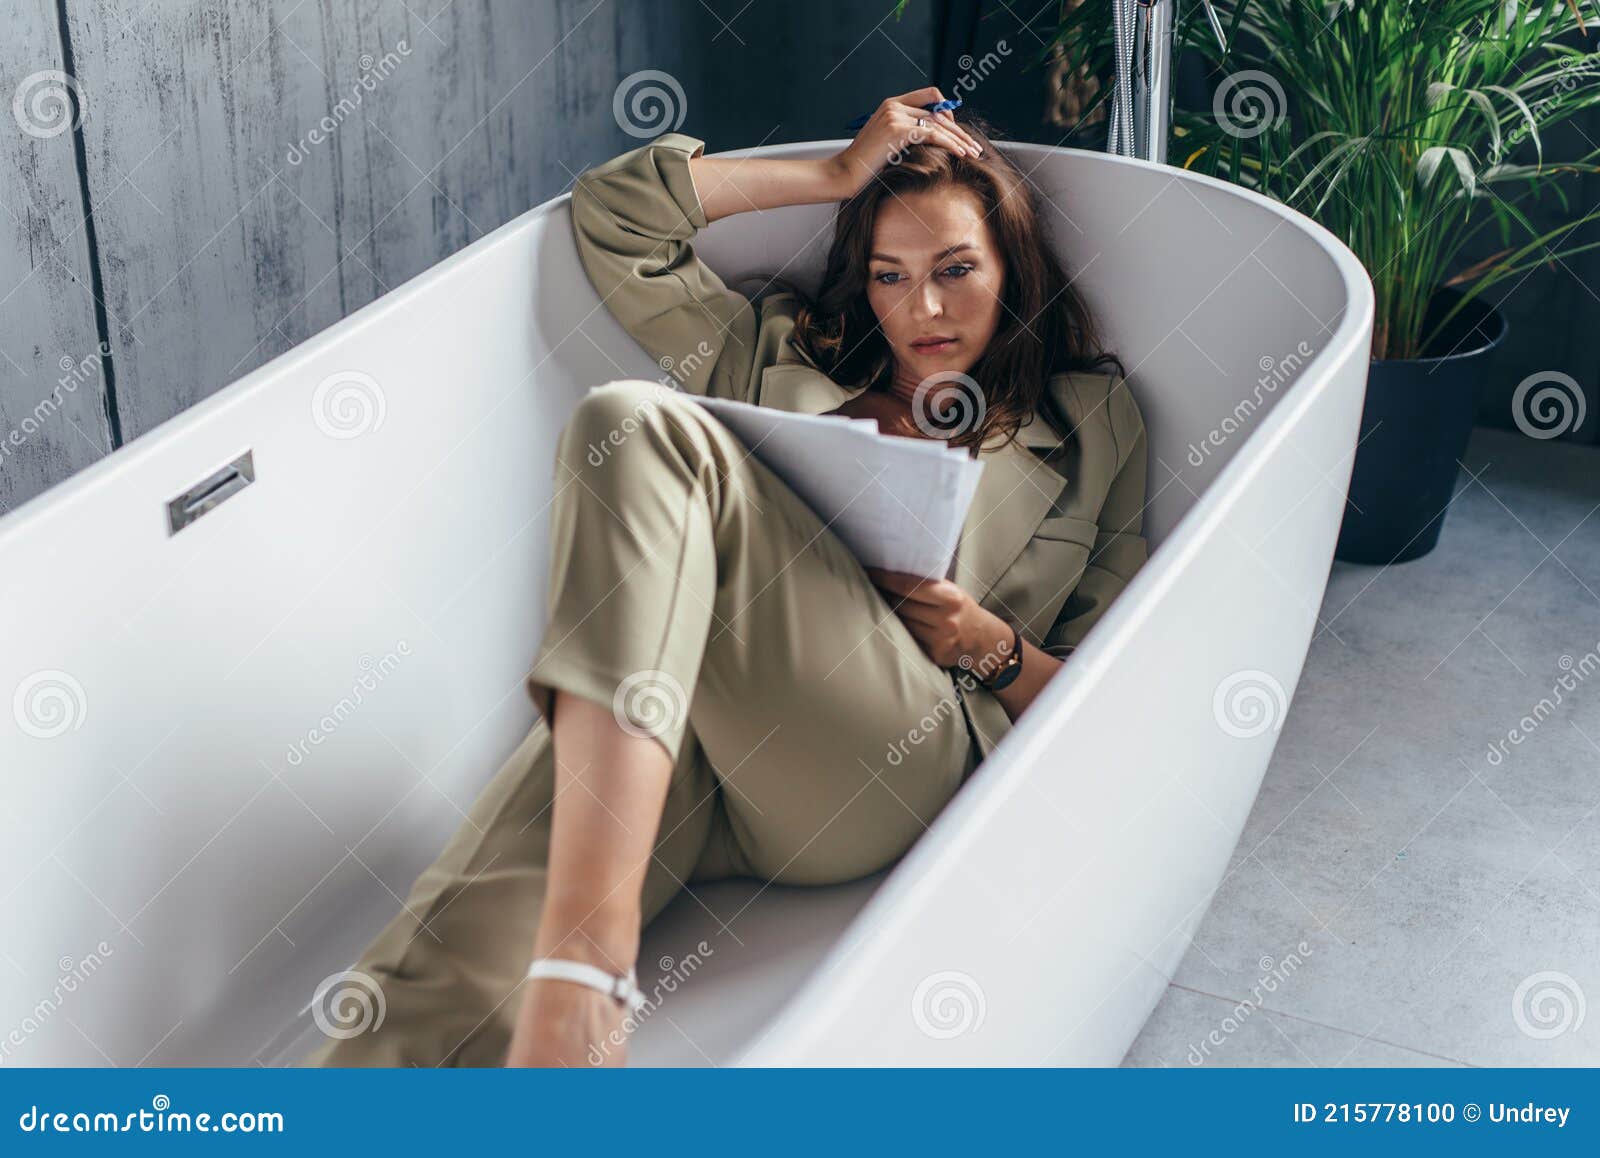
(951, 271)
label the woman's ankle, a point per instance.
(605, 940)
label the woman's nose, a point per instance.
(928, 303)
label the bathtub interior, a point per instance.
(242, 742)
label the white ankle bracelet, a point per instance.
(624, 990)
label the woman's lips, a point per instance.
(934, 347)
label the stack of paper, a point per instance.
(897, 503)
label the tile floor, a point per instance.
(1398, 898)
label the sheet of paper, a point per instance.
(897, 503)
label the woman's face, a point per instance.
(935, 272)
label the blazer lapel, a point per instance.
(798, 387)
(1015, 493)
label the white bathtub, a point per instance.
(200, 823)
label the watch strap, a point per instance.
(1011, 668)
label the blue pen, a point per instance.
(936, 107)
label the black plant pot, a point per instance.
(1414, 428)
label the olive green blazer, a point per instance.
(1055, 530)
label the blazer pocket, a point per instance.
(1049, 569)
(1068, 529)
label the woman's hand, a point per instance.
(728, 185)
(891, 129)
(946, 622)
(955, 631)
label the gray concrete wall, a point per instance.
(53, 419)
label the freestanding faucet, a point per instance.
(1141, 104)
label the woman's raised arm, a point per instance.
(729, 185)
(634, 218)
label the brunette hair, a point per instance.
(1045, 326)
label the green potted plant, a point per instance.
(1406, 128)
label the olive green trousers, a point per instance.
(812, 739)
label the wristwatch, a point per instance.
(1010, 668)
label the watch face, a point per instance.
(1008, 673)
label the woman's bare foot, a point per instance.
(563, 1024)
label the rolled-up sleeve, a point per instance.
(634, 217)
(1120, 548)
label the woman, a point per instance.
(723, 689)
